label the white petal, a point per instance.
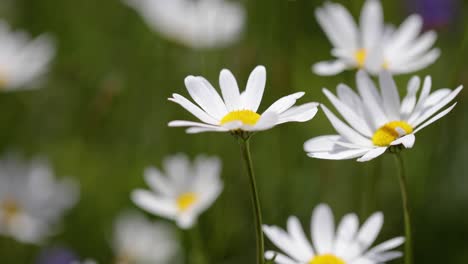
(301, 113)
(157, 182)
(437, 107)
(436, 97)
(184, 123)
(387, 245)
(328, 68)
(323, 229)
(372, 154)
(283, 241)
(435, 118)
(196, 130)
(371, 22)
(350, 134)
(230, 90)
(406, 33)
(422, 44)
(279, 258)
(186, 221)
(205, 96)
(158, 206)
(369, 231)
(419, 63)
(344, 25)
(371, 99)
(326, 21)
(253, 94)
(390, 96)
(297, 234)
(422, 98)
(266, 121)
(284, 103)
(409, 102)
(345, 234)
(193, 109)
(386, 256)
(349, 115)
(407, 141)
(339, 154)
(321, 143)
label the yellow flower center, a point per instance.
(186, 200)
(326, 259)
(386, 65)
(245, 116)
(387, 133)
(360, 57)
(10, 209)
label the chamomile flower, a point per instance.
(196, 24)
(31, 200)
(372, 45)
(237, 111)
(138, 240)
(378, 120)
(22, 60)
(187, 192)
(348, 244)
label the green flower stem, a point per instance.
(406, 210)
(196, 256)
(245, 151)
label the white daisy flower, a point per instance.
(374, 46)
(187, 192)
(31, 200)
(138, 240)
(349, 244)
(22, 60)
(237, 111)
(197, 24)
(376, 119)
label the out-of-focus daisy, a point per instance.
(349, 244)
(86, 261)
(185, 193)
(376, 119)
(237, 111)
(31, 200)
(374, 46)
(22, 60)
(138, 240)
(197, 24)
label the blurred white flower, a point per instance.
(86, 261)
(196, 24)
(374, 46)
(378, 120)
(22, 60)
(237, 111)
(31, 200)
(185, 193)
(138, 240)
(349, 244)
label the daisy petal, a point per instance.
(252, 96)
(283, 241)
(369, 231)
(372, 154)
(409, 102)
(284, 103)
(390, 96)
(321, 143)
(205, 96)
(387, 245)
(435, 118)
(158, 206)
(407, 141)
(266, 121)
(297, 233)
(371, 22)
(193, 109)
(345, 233)
(371, 99)
(157, 182)
(230, 90)
(183, 123)
(279, 258)
(301, 113)
(196, 130)
(339, 154)
(328, 68)
(322, 227)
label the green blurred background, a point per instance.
(102, 117)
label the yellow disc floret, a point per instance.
(186, 200)
(387, 133)
(3, 80)
(10, 209)
(360, 57)
(247, 117)
(326, 259)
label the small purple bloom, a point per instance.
(436, 13)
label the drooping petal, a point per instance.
(372, 154)
(321, 143)
(193, 109)
(153, 204)
(407, 141)
(301, 113)
(341, 154)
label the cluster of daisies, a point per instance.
(374, 119)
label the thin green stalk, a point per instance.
(197, 256)
(406, 210)
(245, 151)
